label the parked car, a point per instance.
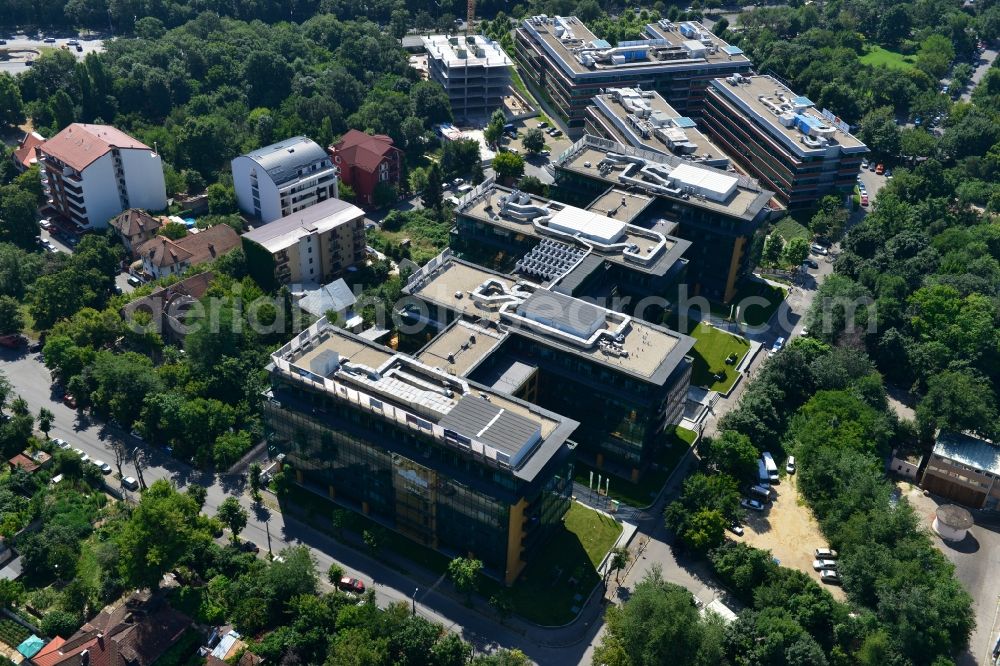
(864, 164)
(825, 554)
(348, 584)
(821, 565)
(133, 281)
(809, 263)
(249, 547)
(816, 248)
(61, 444)
(888, 174)
(83, 455)
(776, 347)
(830, 577)
(457, 182)
(542, 125)
(50, 40)
(135, 433)
(790, 463)
(45, 224)
(752, 504)
(880, 169)
(103, 466)
(13, 341)
(79, 48)
(69, 401)
(736, 529)
(864, 200)
(73, 42)
(129, 483)
(761, 492)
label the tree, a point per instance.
(372, 540)
(508, 166)
(221, 199)
(880, 133)
(18, 216)
(11, 593)
(773, 246)
(459, 158)
(197, 493)
(533, 185)
(533, 141)
(658, 619)
(731, 453)
(164, 527)
(464, 573)
(11, 106)
(232, 516)
(432, 193)
(430, 103)
(796, 251)
(60, 623)
(958, 401)
(334, 573)
(45, 419)
(619, 560)
(11, 319)
(254, 479)
(502, 604)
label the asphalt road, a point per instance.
(985, 62)
(22, 41)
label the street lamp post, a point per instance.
(413, 599)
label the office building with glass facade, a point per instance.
(569, 64)
(781, 138)
(623, 379)
(444, 461)
(717, 212)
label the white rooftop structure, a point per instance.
(317, 219)
(711, 184)
(587, 225)
(455, 51)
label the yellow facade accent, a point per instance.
(332, 492)
(734, 269)
(515, 532)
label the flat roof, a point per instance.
(791, 119)
(516, 434)
(667, 46)
(318, 218)
(456, 51)
(532, 215)
(642, 118)
(967, 450)
(460, 347)
(601, 159)
(621, 342)
(620, 205)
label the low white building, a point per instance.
(277, 180)
(91, 173)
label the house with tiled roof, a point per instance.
(134, 633)
(134, 227)
(365, 161)
(167, 307)
(24, 155)
(90, 173)
(162, 256)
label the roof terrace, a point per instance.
(662, 175)
(792, 119)
(643, 119)
(496, 428)
(668, 46)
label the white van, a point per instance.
(772, 469)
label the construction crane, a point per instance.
(470, 15)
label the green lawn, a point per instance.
(788, 229)
(711, 348)
(543, 593)
(755, 315)
(877, 56)
(677, 440)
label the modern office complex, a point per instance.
(90, 173)
(716, 211)
(313, 245)
(563, 58)
(473, 70)
(596, 252)
(782, 139)
(643, 119)
(449, 463)
(622, 378)
(283, 178)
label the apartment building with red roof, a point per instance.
(90, 173)
(365, 161)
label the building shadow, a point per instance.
(968, 545)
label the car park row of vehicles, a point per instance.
(826, 564)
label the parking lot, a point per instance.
(534, 165)
(22, 48)
(789, 530)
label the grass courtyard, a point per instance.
(711, 349)
(788, 229)
(878, 56)
(677, 440)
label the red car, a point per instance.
(69, 401)
(864, 199)
(348, 584)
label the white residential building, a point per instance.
(91, 173)
(278, 180)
